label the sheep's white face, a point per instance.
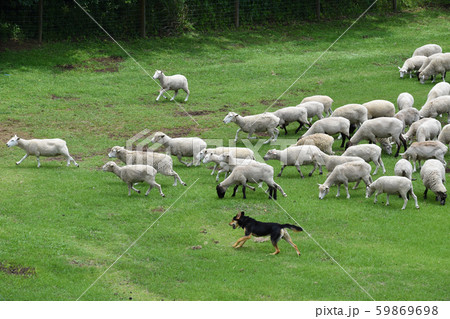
(369, 191)
(323, 191)
(269, 155)
(108, 167)
(158, 138)
(13, 141)
(114, 151)
(422, 79)
(207, 158)
(224, 157)
(157, 74)
(230, 117)
(402, 73)
(201, 155)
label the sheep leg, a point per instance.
(314, 168)
(298, 169)
(376, 197)
(357, 183)
(18, 163)
(236, 137)
(70, 158)
(414, 197)
(299, 127)
(173, 97)
(425, 193)
(214, 169)
(346, 189)
(285, 130)
(161, 92)
(387, 199)
(270, 192)
(338, 190)
(243, 193)
(282, 168)
(246, 185)
(183, 162)
(154, 184)
(187, 96)
(250, 137)
(280, 189)
(39, 162)
(343, 139)
(234, 190)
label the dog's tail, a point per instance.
(293, 227)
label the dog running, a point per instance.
(258, 229)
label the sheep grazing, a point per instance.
(368, 152)
(379, 108)
(323, 141)
(345, 173)
(331, 161)
(380, 127)
(425, 150)
(440, 64)
(324, 99)
(313, 108)
(411, 134)
(403, 168)
(292, 114)
(161, 162)
(440, 89)
(404, 101)
(265, 122)
(355, 113)
(433, 177)
(331, 126)
(252, 173)
(295, 156)
(412, 64)
(41, 147)
(173, 82)
(131, 174)
(428, 131)
(440, 105)
(444, 136)
(408, 116)
(392, 185)
(181, 146)
(427, 50)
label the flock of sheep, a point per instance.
(375, 121)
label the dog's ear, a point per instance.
(239, 215)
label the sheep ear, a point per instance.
(319, 184)
(399, 68)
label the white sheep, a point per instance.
(368, 152)
(439, 105)
(408, 116)
(403, 168)
(355, 113)
(131, 174)
(265, 122)
(404, 101)
(227, 162)
(331, 161)
(331, 126)
(323, 141)
(295, 156)
(411, 134)
(313, 108)
(238, 152)
(427, 50)
(440, 64)
(345, 173)
(173, 82)
(41, 147)
(252, 173)
(412, 64)
(324, 99)
(426, 62)
(380, 127)
(161, 162)
(428, 131)
(433, 178)
(292, 114)
(444, 136)
(392, 185)
(180, 146)
(425, 150)
(440, 89)
(379, 108)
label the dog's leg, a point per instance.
(277, 250)
(241, 241)
(285, 235)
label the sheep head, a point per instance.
(109, 167)
(323, 191)
(159, 137)
(114, 151)
(13, 141)
(231, 117)
(158, 74)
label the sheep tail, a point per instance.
(292, 227)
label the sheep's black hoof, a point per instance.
(310, 174)
(184, 184)
(138, 191)
(17, 163)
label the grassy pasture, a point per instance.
(61, 228)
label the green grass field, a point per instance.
(61, 228)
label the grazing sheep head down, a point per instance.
(231, 117)
(323, 191)
(369, 191)
(157, 74)
(220, 191)
(441, 197)
(402, 72)
(13, 141)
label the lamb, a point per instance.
(161, 162)
(411, 134)
(368, 152)
(412, 64)
(439, 105)
(295, 156)
(403, 168)
(238, 152)
(323, 141)
(324, 99)
(252, 173)
(331, 161)
(345, 173)
(440, 89)
(428, 130)
(379, 108)
(331, 126)
(426, 62)
(313, 108)
(180, 146)
(444, 136)
(42, 147)
(380, 127)
(131, 174)
(433, 177)
(173, 82)
(427, 50)
(355, 113)
(408, 116)
(425, 150)
(292, 114)
(265, 122)
(440, 64)
(227, 162)
(404, 101)
(392, 185)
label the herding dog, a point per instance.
(256, 228)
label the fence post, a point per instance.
(236, 13)
(41, 16)
(142, 22)
(394, 5)
(318, 9)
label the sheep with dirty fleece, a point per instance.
(439, 65)
(265, 122)
(173, 83)
(412, 64)
(403, 168)
(440, 105)
(433, 178)
(161, 162)
(392, 185)
(427, 50)
(425, 150)
(295, 156)
(42, 147)
(368, 152)
(323, 141)
(181, 146)
(345, 173)
(444, 136)
(292, 114)
(404, 101)
(324, 99)
(379, 108)
(238, 152)
(132, 174)
(331, 126)
(252, 173)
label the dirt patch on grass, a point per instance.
(193, 113)
(16, 45)
(66, 98)
(100, 64)
(17, 270)
(8, 128)
(270, 102)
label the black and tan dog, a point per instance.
(256, 228)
